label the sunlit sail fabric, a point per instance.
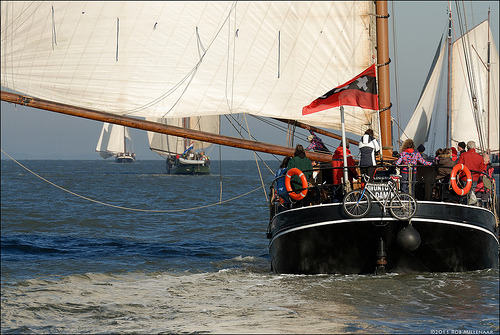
(166, 145)
(465, 124)
(114, 140)
(182, 59)
(418, 126)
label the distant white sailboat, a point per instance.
(115, 142)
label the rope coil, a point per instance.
(386, 108)
(384, 64)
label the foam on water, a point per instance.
(239, 301)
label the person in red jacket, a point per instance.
(338, 161)
(473, 161)
(454, 154)
(483, 192)
(338, 171)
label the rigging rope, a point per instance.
(398, 113)
(462, 21)
(399, 127)
(251, 137)
(220, 173)
(129, 208)
(258, 167)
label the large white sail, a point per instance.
(418, 126)
(114, 140)
(183, 59)
(166, 145)
(468, 123)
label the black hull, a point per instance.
(189, 169)
(322, 239)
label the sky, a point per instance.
(28, 133)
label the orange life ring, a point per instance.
(454, 185)
(288, 185)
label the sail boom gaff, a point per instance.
(157, 127)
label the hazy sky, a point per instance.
(28, 133)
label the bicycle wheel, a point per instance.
(357, 204)
(403, 206)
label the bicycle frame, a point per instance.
(385, 202)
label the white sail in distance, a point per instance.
(481, 126)
(114, 140)
(418, 126)
(183, 59)
(166, 145)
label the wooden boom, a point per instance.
(157, 127)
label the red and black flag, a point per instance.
(359, 91)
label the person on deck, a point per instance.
(316, 143)
(482, 191)
(454, 154)
(368, 148)
(338, 171)
(338, 161)
(281, 191)
(409, 156)
(301, 162)
(439, 152)
(444, 165)
(461, 148)
(473, 161)
(421, 149)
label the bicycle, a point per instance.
(357, 203)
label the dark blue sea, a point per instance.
(100, 247)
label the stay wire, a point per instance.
(129, 208)
(468, 69)
(250, 135)
(258, 166)
(394, 47)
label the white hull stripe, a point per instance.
(420, 202)
(381, 219)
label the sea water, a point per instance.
(134, 250)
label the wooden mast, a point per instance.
(384, 93)
(157, 127)
(488, 69)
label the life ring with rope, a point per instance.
(456, 169)
(288, 184)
